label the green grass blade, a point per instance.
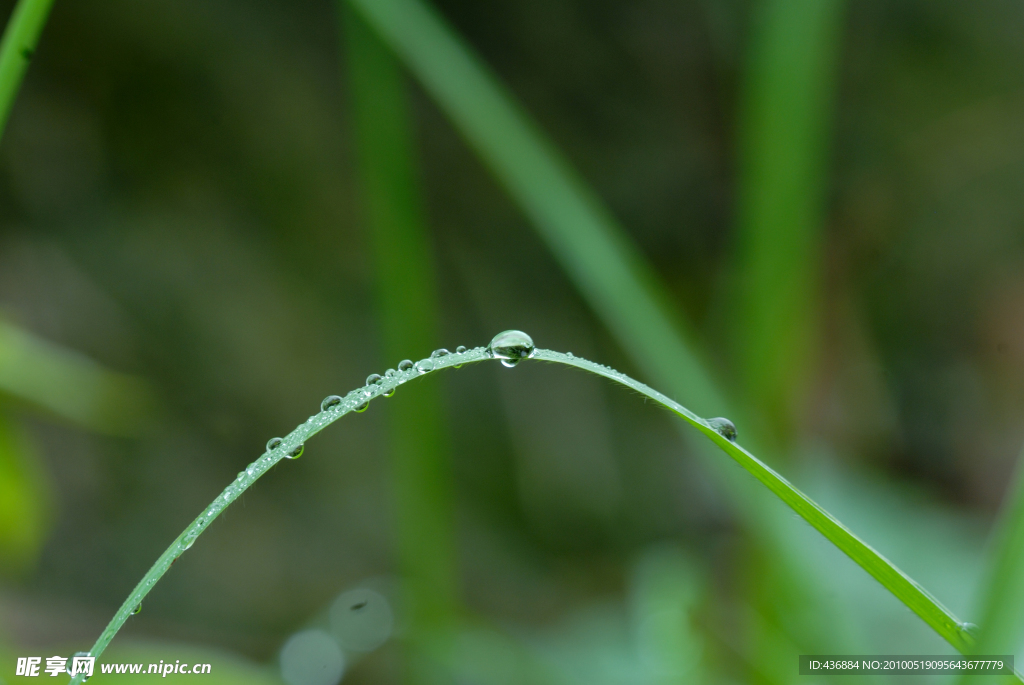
(406, 290)
(605, 265)
(26, 508)
(70, 385)
(915, 597)
(1001, 622)
(884, 571)
(787, 105)
(607, 269)
(16, 49)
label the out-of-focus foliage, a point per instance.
(25, 506)
(179, 201)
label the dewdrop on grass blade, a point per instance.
(511, 347)
(724, 427)
(329, 402)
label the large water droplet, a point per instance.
(362, 406)
(438, 353)
(724, 427)
(373, 379)
(405, 365)
(137, 609)
(510, 347)
(389, 373)
(389, 393)
(971, 629)
(424, 365)
(273, 444)
(296, 452)
(329, 402)
(460, 349)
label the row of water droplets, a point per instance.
(509, 347)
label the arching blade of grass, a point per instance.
(787, 103)
(606, 267)
(406, 290)
(1001, 622)
(70, 385)
(16, 48)
(909, 592)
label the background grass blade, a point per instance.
(25, 499)
(16, 49)
(1001, 604)
(70, 385)
(604, 264)
(786, 110)
(405, 285)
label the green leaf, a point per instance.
(406, 293)
(1001, 621)
(70, 385)
(787, 103)
(16, 49)
(25, 499)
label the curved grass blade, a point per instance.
(897, 582)
(406, 293)
(16, 49)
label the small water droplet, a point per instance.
(273, 444)
(460, 349)
(189, 540)
(296, 452)
(438, 353)
(137, 609)
(373, 379)
(405, 365)
(569, 355)
(971, 629)
(389, 373)
(361, 407)
(724, 427)
(424, 365)
(240, 476)
(510, 347)
(329, 402)
(250, 470)
(70, 667)
(389, 393)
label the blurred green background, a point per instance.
(800, 213)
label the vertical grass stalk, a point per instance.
(405, 285)
(16, 50)
(787, 104)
